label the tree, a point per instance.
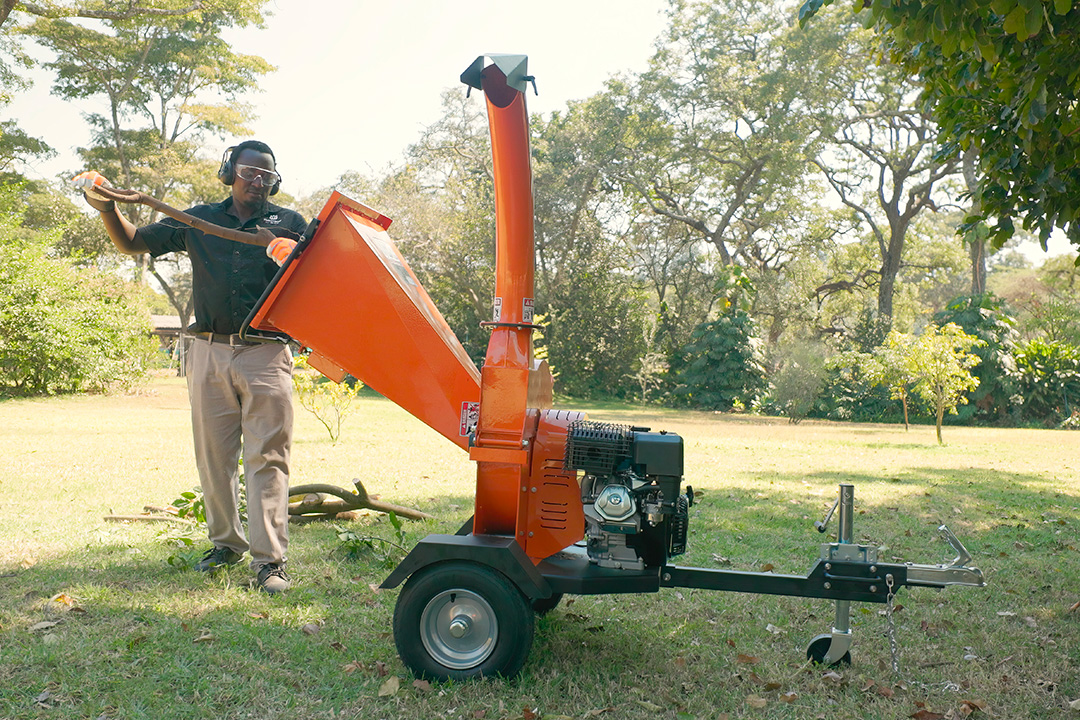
(716, 134)
(116, 10)
(942, 361)
(169, 81)
(892, 365)
(881, 160)
(1000, 76)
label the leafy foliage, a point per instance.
(996, 399)
(328, 401)
(1001, 78)
(1049, 380)
(64, 329)
(797, 383)
(941, 362)
(371, 548)
(723, 365)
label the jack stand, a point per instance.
(834, 648)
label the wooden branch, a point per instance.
(314, 502)
(261, 237)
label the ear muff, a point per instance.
(227, 173)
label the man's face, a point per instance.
(254, 178)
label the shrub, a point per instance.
(66, 330)
(1049, 380)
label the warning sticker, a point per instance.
(470, 416)
(527, 310)
(498, 310)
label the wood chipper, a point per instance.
(563, 504)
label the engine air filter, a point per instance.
(597, 448)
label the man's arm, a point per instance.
(122, 232)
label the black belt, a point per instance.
(233, 340)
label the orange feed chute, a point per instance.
(351, 298)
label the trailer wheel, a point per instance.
(459, 620)
(819, 647)
(545, 605)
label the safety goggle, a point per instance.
(250, 173)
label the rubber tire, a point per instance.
(545, 605)
(510, 614)
(819, 646)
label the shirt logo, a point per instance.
(272, 219)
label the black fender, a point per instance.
(500, 552)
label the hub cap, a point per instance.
(459, 629)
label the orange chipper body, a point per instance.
(386, 331)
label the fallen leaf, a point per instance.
(1006, 613)
(311, 629)
(337, 646)
(27, 562)
(968, 707)
(44, 625)
(833, 677)
(756, 702)
(730, 642)
(390, 687)
(770, 686)
(773, 629)
(1074, 607)
(1075, 704)
(50, 639)
(788, 697)
(747, 659)
(63, 599)
(44, 697)
(529, 714)
(422, 685)
(1030, 622)
(380, 668)
(767, 567)
(479, 714)
(680, 662)
(351, 667)
(259, 616)
(651, 707)
(374, 587)
(885, 692)
(204, 637)
(925, 714)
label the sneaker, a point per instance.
(217, 558)
(273, 579)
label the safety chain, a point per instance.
(890, 622)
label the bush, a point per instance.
(722, 366)
(997, 398)
(66, 330)
(799, 379)
(1049, 381)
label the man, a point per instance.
(240, 392)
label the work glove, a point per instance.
(88, 182)
(279, 248)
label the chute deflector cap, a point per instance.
(514, 67)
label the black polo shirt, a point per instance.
(227, 277)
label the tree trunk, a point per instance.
(904, 400)
(940, 415)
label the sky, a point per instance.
(357, 81)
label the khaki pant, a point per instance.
(243, 395)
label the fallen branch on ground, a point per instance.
(314, 503)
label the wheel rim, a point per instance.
(459, 629)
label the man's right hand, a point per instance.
(88, 182)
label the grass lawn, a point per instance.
(95, 623)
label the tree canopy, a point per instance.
(1002, 77)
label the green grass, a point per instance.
(141, 639)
